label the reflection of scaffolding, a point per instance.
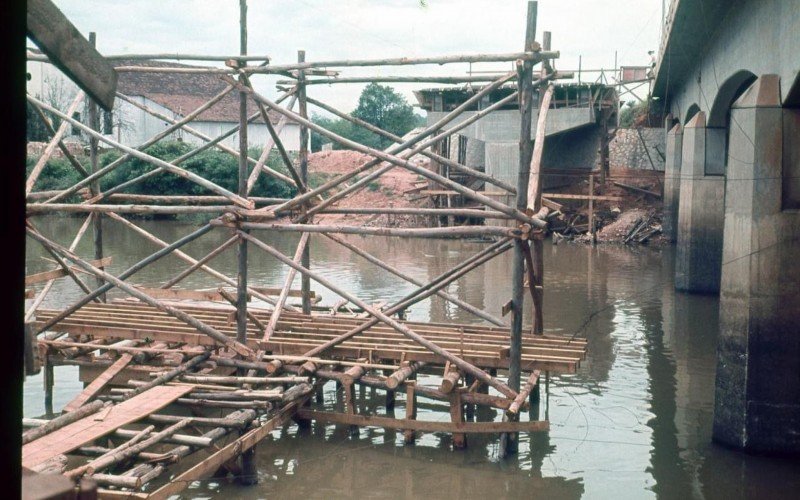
(229, 356)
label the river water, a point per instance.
(634, 422)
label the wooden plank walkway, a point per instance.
(88, 429)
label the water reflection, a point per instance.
(634, 422)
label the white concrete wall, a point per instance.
(138, 126)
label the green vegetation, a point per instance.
(218, 167)
(378, 105)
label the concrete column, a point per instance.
(672, 182)
(757, 396)
(701, 211)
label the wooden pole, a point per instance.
(305, 261)
(287, 285)
(241, 247)
(63, 420)
(591, 210)
(416, 232)
(508, 442)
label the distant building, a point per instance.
(171, 94)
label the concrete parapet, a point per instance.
(757, 396)
(701, 212)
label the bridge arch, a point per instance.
(719, 120)
(693, 110)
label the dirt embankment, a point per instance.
(626, 214)
(387, 191)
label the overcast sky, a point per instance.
(341, 29)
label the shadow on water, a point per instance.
(634, 422)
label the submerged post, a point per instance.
(305, 280)
(525, 79)
(249, 474)
(94, 187)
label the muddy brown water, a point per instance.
(634, 422)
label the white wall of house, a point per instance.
(133, 126)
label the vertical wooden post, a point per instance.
(457, 416)
(470, 411)
(305, 280)
(48, 379)
(249, 474)
(508, 441)
(411, 409)
(390, 395)
(591, 210)
(94, 187)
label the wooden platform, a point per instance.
(88, 429)
(486, 347)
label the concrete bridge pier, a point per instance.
(757, 394)
(701, 211)
(672, 181)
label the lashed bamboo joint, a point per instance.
(243, 369)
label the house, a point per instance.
(171, 94)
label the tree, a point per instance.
(383, 107)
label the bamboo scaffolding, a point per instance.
(207, 258)
(302, 198)
(46, 289)
(419, 294)
(161, 164)
(214, 142)
(97, 174)
(447, 161)
(167, 248)
(64, 150)
(51, 146)
(467, 367)
(274, 133)
(177, 313)
(533, 56)
(187, 258)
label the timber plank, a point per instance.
(88, 429)
(101, 381)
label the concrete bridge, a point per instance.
(728, 75)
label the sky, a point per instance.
(342, 29)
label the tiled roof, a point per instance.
(182, 93)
